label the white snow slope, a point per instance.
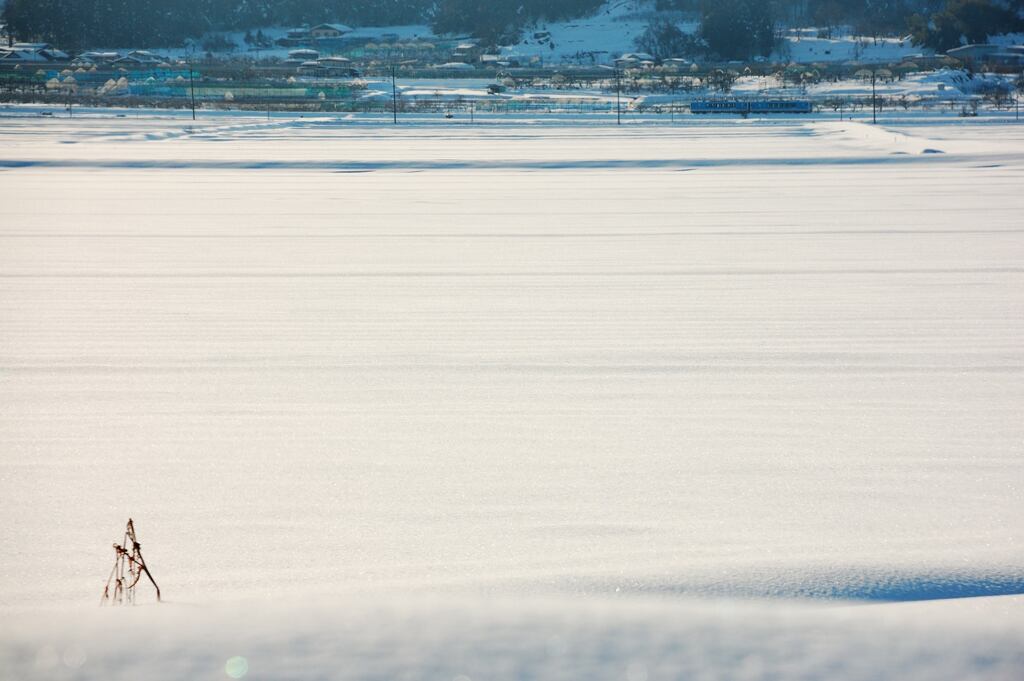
(615, 27)
(513, 401)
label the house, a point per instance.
(303, 55)
(1012, 56)
(48, 52)
(139, 58)
(993, 55)
(635, 60)
(329, 31)
(336, 67)
(146, 56)
(9, 55)
(296, 36)
(34, 52)
(328, 67)
(455, 66)
(972, 54)
(96, 58)
(467, 52)
(299, 57)
(676, 63)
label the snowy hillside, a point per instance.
(803, 46)
(611, 32)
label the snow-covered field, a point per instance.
(732, 399)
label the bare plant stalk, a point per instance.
(129, 566)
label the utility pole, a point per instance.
(1020, 89)
(257, 76)
(874, 100)
(394, 95)
(192, 87)
(618, 99)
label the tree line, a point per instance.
(733, 29)
(160, 23)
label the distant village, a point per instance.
(330, 62)
(329, 50)
(314, 51)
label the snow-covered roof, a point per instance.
(141, 57)
(972, 50)
(637, 56)
(340, 28)
(21, 55)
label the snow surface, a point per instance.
(433, 638)
(513, 400)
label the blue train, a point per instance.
(752, 106)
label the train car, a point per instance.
(753, 106)
(774, 106)
(718, 106)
